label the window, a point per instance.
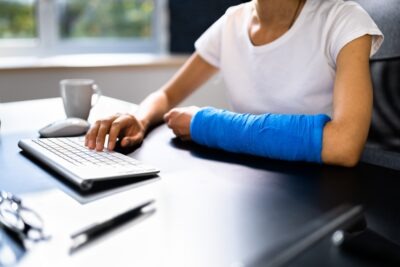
(106, 19)
(17, 19)
(43, 27)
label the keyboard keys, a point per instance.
(82, 166)
(74, 151)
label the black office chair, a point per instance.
(383, 145)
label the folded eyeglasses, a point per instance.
(19, 220)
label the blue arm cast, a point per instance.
(278, 136)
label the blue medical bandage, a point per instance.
(278, 136)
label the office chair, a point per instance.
(383, 145)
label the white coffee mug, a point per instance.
(77, 97)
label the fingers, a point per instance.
(115, 131)
(132, 140)
(90, 138)
(117, 126)
(181, 135)
(170, 119)
(185, 137)
(178, 120)
(176, 112)
(96, 135)
(101, 134)
(167, 115)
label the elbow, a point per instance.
(342, 149)
(348, 160)
(343, 144)
(345, 156)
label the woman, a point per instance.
(298, 79)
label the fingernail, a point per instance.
(110, 146)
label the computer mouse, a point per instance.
(65, 128)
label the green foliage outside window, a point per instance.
(99, 18)
(81, 18)
(17, 19)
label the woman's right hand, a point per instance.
(126, 127)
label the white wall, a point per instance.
(131, 83)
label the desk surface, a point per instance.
(213, 208)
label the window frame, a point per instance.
(50, 43)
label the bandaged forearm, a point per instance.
(277, 136)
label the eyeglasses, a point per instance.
(21, 221)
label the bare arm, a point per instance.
(345, 136)
(131, 129)
(193, 74)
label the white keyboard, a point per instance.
(70, 158)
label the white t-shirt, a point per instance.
(295, 73)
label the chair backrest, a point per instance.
(383, 146)
(386, 14)
(385, 126)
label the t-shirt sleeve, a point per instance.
(208, 46)
(351, 22)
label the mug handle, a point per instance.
(97, 91)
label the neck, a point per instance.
(276, 11)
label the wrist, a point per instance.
(145, 123)
(142, 121)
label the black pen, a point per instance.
(94, 231)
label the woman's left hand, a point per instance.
(178, 119)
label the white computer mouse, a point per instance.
(65, 128)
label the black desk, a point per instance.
(213, 208)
